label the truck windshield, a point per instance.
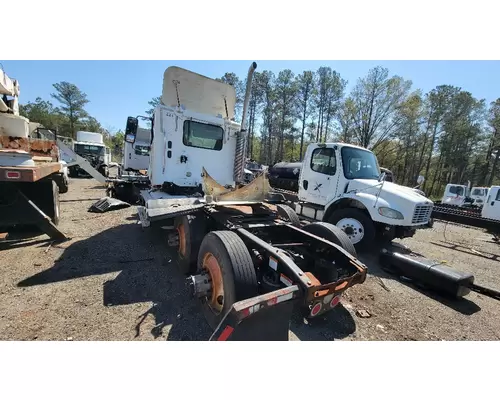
(478, 192)
(89, 149)
(141, 150)
(458, 190)
(359, 164)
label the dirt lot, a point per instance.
(114, 281)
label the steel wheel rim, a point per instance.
(215, 299)
(352, 228)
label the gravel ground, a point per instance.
(115, 281)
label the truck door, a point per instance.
(318, 175)
(491, 208)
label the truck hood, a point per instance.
(389, 188)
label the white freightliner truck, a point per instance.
(342, 184)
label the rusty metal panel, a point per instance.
(15, 143)
(44, 148)
(36, 147)
(30, 174)
(257, 190)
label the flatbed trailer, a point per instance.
(236, 251)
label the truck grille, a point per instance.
(422, 214)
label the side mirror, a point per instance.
(381, 178)
(420, 180)
(131, 129)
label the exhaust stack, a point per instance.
(241, 141)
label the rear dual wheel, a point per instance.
(190, 230)
(224, 257)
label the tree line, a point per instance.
(69, 116)
(447, 134)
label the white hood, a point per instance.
(388, 188)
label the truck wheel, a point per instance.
(64, 186)
(356, 225)
(104, 171)
(331, 233)
(191, 230)
(224, 256)
(288, 214)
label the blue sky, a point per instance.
(117, 89)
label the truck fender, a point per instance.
(363, 201)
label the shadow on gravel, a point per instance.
(336, 324)
(462, 305)
(23, 236)
(146, 274)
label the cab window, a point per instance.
(323, 160)
(458, 190)
(204, 136)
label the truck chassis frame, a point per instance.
(283, 253)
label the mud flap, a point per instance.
(261, 318)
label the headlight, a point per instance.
(390, 213)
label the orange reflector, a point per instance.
(13, 174)
(316, 309)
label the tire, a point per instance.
(191, 230)
(64, 186)
(288, 214)
(104, 171)
(362, 239)
(56, 204)
(226, 252)
(333, 234)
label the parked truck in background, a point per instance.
(136, 154)
(90, 145)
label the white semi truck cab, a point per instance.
(342, 184)
(193, 128)
(455, 195)
(90, 145)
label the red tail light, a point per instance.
(13, 175)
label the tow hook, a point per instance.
(199, 285)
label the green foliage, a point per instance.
(72, 104)
(447, 134)
(153, 103)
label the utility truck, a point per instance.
(31, 171)
(247, 256)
